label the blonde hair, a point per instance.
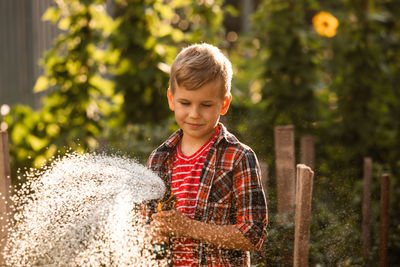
(199, 64)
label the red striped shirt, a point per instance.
(185, 183)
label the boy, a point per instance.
(221, 211)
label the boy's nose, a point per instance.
(194, 112)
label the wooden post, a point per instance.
(264, 177)
(285, 164)
(384, 220)
(366, 210)
(307, 151)
(5, 186)
(247, 11)
(304, 185)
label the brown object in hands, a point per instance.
(168, 204)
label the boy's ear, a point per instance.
(225, 106)
(170, 99)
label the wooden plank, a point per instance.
(307, 151)
(285, 164)
(23, 52)
(13, 77)
(366, 209)
(25, 37)
(5, 187)
(384, 220)
(304, 185)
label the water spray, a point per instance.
(83, 210)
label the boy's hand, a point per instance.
(171, 222)
(155, 234)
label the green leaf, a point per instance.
(52, 14)
(42, 84)
(18, 133)
(64, 23)
(231, 10)
(36, 142)
(39, 161)
(104, 86)
(52, 130)
(180, 3)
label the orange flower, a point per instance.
(325, 24)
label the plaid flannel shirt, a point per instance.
(230, 193)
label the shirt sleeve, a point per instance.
(251, 206)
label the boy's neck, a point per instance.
(189, 145)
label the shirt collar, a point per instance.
(175, 138)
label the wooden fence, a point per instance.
(24, 38)
(301, 196)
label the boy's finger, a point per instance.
(163, 214)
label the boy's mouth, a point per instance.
(194, 125)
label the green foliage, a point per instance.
(138, 72)
(335, 238)
(361, 80)
(201, 21)
(81, 98)
(287, 65)
(291, 65)
(343, 91)
(278, 250)
(107, 76)
(147, 36)
(361, 87)
(33, 133)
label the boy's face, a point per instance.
(197, 111)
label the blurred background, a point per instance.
(91, 75)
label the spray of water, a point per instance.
(83, 211)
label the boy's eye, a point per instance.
(185, 103)
(206, 105)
